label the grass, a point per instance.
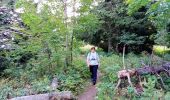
(160, 50)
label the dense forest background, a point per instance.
(45, 39)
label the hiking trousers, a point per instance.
(93, 70)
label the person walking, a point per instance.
(93, 64)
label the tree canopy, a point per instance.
(44, 44)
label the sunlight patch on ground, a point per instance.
(159, 48)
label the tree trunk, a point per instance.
(67, 45)
(71, 48)
(109, 24)
(110, 47)
(65, 95)
(72, 34)
(109, 44)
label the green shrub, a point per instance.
(110, 65)
(41, 85)
(76, 77)
(11, 88)
(38, 76)
(105, 91)
(4, 64)
(167, 57)
(5, 90)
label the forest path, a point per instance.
(91, 91)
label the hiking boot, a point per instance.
(94, 83)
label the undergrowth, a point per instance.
(110, 65)
(36, 79)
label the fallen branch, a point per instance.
(127, 74)
(65, 95)
(154, 70)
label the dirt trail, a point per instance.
(90, 92)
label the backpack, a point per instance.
(96, 55)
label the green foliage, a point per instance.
(71, 80)
(85, 6)
(40, 52)
(135, 5)
(15, 87)
(150, 86)
(41, 55)
(167, 96)
(5, 89)
(76, 76)
(112, 64)
(158, 12)
(47, 31)
(131, 39)
(41, 85)
(109, 68)
(105, 91)
(36, 79)
(111, 23)
(134, 61)
(5, 63)
(87, 23)
(167, 57)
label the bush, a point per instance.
(4, 63)
(6, 89)
(41, 85)
(105, 91)
(76, 77)
(16, 87)
(37, 75)
(167, 57)
(110, 65)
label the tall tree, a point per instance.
(72, 33)
(46, 31)
(112, 21)
(67, 40)
(158, 12)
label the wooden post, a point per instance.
(124, 48)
